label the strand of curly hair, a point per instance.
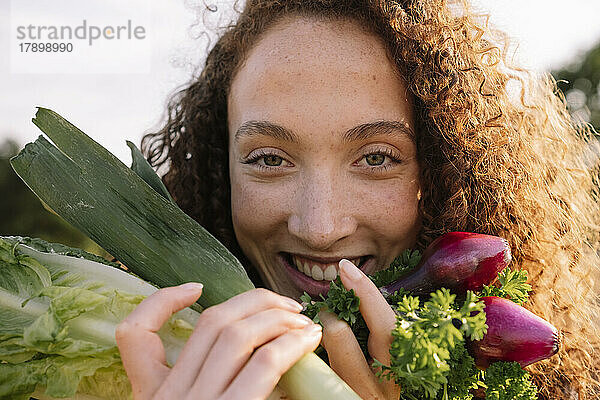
(495, 157)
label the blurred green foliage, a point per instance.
(580, 82)
(22, 213)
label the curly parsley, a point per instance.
(401, 265)
(513, 286)
(345, 304)
(508, 381)
(424, 337)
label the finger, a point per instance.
(213, 320)
(237, 342)
(141, 349)
(378, 314)
(262, 372)
(345, 356)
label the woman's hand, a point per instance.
(345, 355)
(239, 349)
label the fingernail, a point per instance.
(294, 305)
(350, 270)
(192, 286)
(313, 330)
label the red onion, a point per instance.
(514, 334)
(459, 261)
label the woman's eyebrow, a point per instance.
(359, 132)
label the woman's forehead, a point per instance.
(332, 71)
(303, 44)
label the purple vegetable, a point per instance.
(514, 334)
(459, 261)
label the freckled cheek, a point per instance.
(258, 210)
(392, 212)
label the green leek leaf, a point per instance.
(98, 194)
(140, 166)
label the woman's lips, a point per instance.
(309, 285)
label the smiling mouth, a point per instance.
(320, 271)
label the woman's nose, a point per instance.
(322, 215)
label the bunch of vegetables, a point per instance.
(456, 334)
(58, 311)
(59, 306)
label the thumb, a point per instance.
(346, 357)
(141, 348)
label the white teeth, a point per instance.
(330, 273)
(317, 273)
(306, 269)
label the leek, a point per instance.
(126, 212)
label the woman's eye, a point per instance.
(379, 161)
(267, 161)
(272, 160)
(375, 159)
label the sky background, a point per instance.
(129, 100)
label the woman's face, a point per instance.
(321, 154)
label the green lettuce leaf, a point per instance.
(59, 314)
